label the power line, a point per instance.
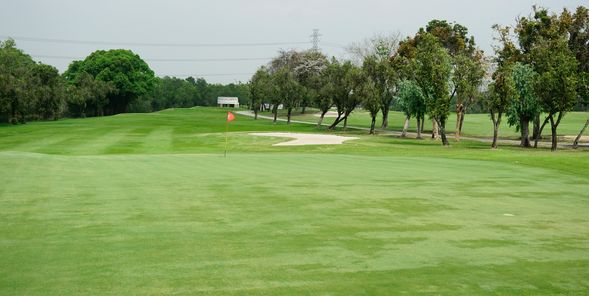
(113, 43)
(163, 60)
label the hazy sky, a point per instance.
(236, 22)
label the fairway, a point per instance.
(147, 204)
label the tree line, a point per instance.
(105, 83)
(540, 72)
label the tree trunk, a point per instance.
(303, 110)
(385, 118)
(539, 134)
(536, 126)
(435, 134)
(462, 121)
(321, 119)
(405, 126)
(288, 115)
(552, 134)
(576, 143)
(337, 120)
(419, 127)
(495, 134)
(345, 122)
(553, 127)
(442, 129)
(459, 114)
(525, 132)
(496, 123)
(373, 124)
(457, 129)
(255, 114)
(275, 112)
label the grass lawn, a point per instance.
(146, 204)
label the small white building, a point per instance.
(228, 102)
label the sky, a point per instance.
(227, 40)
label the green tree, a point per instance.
(411, 101)
(260, 87)
(556, 85)
(376, 54)
(324, 97)
(467, 77)
(15, 74)
(525, 106)
(344, 76)
(380, 68)
(288, 89)
(128, 73)
(368, 94)
(47, 88)
(88, 96)
(501, 93)
(310, 66)
(432, 72)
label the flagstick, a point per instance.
(226, 131)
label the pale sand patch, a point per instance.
(572, 138)
(328, 114)
(306, 139)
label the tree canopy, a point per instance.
(129, 75)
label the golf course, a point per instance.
(147, 204)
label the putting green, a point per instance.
(289, 224)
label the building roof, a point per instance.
(227, 100)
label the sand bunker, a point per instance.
(306, 139)
(327, 115)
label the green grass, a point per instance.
(476, 125)
(146, 204)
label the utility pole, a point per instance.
(315, 39)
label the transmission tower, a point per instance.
(315, 39)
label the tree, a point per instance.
(338, 75)
(525, 106)
(578, 27)
(15, 73)
(259, 86)
(501, 93)
(411, 101)
(48, 91)
(366, 91)
(288, 89)
(453, 37)
(556, 85)
(380, 69)
(344, 78)
(129, 74)
(310, 65)
(324, 97)
(432, 72)
(88, 96)
(467, 77)
(376, 57)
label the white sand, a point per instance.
(327, 115)
(306, 139)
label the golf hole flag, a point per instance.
(230, 117)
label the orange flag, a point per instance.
(230, 117)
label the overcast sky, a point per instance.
(120, 22)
